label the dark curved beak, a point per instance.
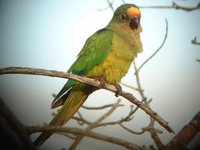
(134, 23)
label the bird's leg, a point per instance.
(119, 90)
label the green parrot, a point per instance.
(107, 55)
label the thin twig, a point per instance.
(94, 125)
(130, 86)
(82, 120)
(150, 128)
(138, 79)
(166, 34)
(131, 131)
(195, 42)
(100, 107)
(110, 5)
(154, 134)
(117, 122)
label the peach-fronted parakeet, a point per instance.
(107, 54)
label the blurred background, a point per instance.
(49, 34)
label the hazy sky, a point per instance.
(49, 34)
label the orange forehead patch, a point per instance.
(133, 12)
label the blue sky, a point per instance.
(49, 34)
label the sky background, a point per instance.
(49, 34)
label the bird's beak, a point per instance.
(135, 23)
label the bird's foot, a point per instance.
(102, 82)
(119, 90)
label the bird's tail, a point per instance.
(77, 96)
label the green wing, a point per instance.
(93, 53)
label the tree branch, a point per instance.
(187, 133)
(173, 6)
(114, 140)
(198, 60)
(94, 125)
(100, 107)
(148, 59)
(195, 42)
(93, 82)
(14, 135)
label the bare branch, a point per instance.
(173, 6)
(166, 34)
(195, 42)
(100, 107)
(198, 60)
(131, 131)
(129, 86)
(94, 125)
(138, 80)
(154, 134)
(186, 134)
(93, 82)
(110, 5)
(124, 119)
(13, 130)
(76, 131)
(150, 128)
(81, 121)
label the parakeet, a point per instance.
(107, 55)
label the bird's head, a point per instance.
(129, 15)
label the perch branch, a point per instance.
(93, 82)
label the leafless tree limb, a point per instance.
(172, 6)
(93, 82)
(195, 42)
(150, 128)
(76, 131)
(118, 122)
(94, 125)
(100, 107)
(131, 131)
(165, 38)
(81, 120)
(110, 5)
(186, 134)
(130, 86)
(12, 127)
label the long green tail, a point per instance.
(77, 96)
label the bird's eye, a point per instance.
(123, 16)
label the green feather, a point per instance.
(93, 53)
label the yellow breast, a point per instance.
(116, 64)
